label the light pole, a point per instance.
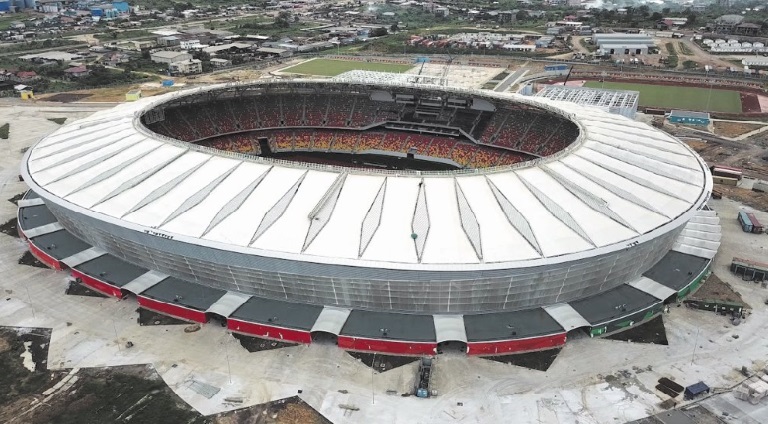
(373, 395)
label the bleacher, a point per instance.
(322, 140)
(240, 143)
(345, 142)
(395, 142)
(484, 157)
(302, 139)
(369, 140)
(518, 128)
(283, 141)
(440, 147)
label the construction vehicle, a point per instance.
(423, 378)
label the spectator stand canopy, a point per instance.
(620, 102)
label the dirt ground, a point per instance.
(750, 154)
(125, 394)
(734, 129)
(716, 289)
(751, 198)
(109, 94)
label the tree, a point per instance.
(378, 32)
(283, 19)
(656, 16)
(394, 28)
(692, 18)
(665, 11)
(644, 11)
(521, 15)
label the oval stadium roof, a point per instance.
(621, 182)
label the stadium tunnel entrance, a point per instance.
(324, 337)
(578, 333)
(215, 318)
(451, 346)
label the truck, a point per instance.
(422, 379)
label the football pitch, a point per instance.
(332, 67)
(685, 98)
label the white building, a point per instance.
(170, 56)
(190, 66)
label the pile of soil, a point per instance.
(540, 360)
(652, 332)
(382, 363)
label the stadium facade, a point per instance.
(494, 258)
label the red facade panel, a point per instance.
(98, 285)
(269, 331)
(387, 346)
(45, 258)
(506, 347)
(176, 311)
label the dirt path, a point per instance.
(699, 55)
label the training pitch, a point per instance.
(331, 67)
(673, 97)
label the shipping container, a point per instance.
(757, 227)
(726, 171)
(724, 180)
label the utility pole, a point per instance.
(695, 342)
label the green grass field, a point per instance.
(331, 67)
(686, 98)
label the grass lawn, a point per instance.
(686, 98)
(331, 67)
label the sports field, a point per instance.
(686, 98)
(332, 67)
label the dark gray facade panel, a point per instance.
(371, 288)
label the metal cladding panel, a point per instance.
(45, 258)
(449, 328)
(271, 332)
(393, 347)
(82, 257)
(566, 316)
(174, 310)
(331, 320)
(42, 230)
(372, 288)
(228, 304)
(25, 203)
(98, 285)
(653, 288)
(507, 347)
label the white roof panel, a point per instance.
(446, 240)
(341, 235)
(239, 227)
(196, 220)
(601, 229)
(500, 239)
(288, 233)
(554, 237)
(89, 196)
(392, 241)
(155, 213)
(122, 204)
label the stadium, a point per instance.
(381, 216)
